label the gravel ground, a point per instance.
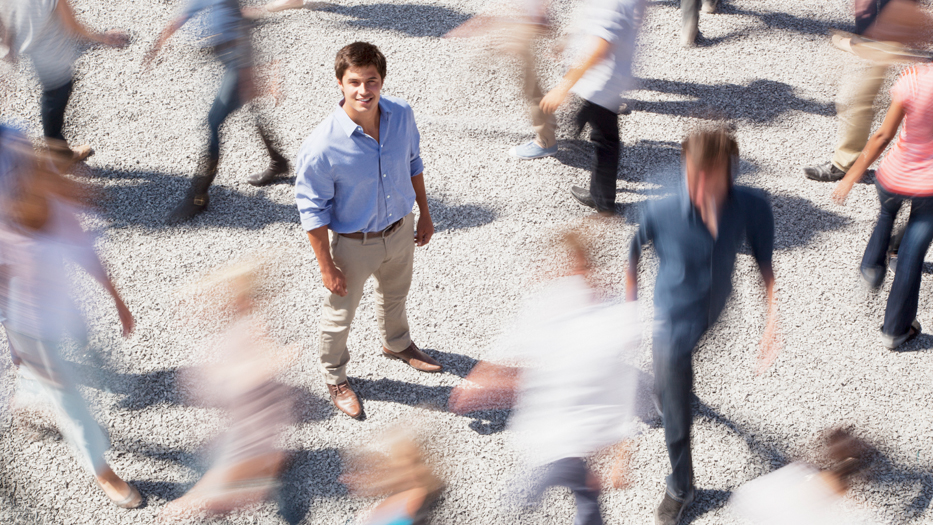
(768, 65)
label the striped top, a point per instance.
(908, 167)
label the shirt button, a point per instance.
(384, 175)
(387, 196)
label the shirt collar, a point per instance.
(347, 124)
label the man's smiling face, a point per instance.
(361, 87)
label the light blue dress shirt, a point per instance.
(349, 182)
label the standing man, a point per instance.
(696, 236)
(359, 173)
(47, 31)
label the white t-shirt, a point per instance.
(38, 33)
(794, 495)
(615, 22)
(577, 388)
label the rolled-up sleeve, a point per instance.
(416, 164)
(314, 191)
(608, 19)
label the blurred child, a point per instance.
(401, 474)
(802, 494)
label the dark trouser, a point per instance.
(225, 103)
(605, 135)
(673, 375)
(905, 291)
(572, 473)
(52, 108)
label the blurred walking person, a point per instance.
(902, 177)
(48, 33)
(239, 375)
(521, 33)
(883, 31)
(400, 473)
(803, 494)
(696, 236)
(227, 33)
(601, 74)
(40, 232)
(566, 365)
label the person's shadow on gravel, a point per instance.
(772, 20)
(458, 216)
(427, 398)
(762, 101)
(417, 20)
(797, 221)
(309, 475)
(902, 482)
(153, 194)
(707, 500)
(169, 387)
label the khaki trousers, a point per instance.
(855, 109)
(389, 259)
(545, 125)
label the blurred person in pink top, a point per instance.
(40, 232)
(905, 174)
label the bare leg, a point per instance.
(119, 491)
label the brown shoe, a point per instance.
(415, 358)
(345, 399)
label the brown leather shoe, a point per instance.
(345, 399)
(415, 358)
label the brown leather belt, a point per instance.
(364, 235)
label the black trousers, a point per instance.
(52, 107)
(605, 135)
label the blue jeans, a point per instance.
(905, 290)
(226, 102)
(572, 473)
(672, 353)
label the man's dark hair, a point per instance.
(359, 54)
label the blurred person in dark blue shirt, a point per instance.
(696, 235)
